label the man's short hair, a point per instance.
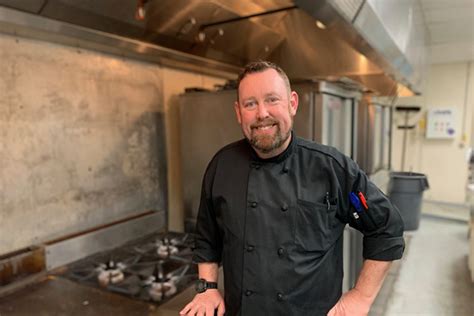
(260, 66)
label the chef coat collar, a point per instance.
(279, 158)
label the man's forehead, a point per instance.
(268, 81)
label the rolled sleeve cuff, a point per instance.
(205, 255)
(383, 249)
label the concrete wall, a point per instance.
(82, 140)
(443, 161)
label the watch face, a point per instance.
(201, 286)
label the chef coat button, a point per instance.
(280, 297)
(257, 166)
(284, 207)
(281, 251)
(285, 169)
(248, 293)
(254, 204)
(250, 248)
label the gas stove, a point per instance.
(153, 268)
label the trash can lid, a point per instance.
(401, 175)
(407, 175)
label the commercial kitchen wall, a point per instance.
(82, 140)
(443, 161)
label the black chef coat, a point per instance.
(277, 226)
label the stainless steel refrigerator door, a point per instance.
(338, 119)
(208, 123)
(337, 122)
(304, 122)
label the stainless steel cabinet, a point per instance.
(327, 114)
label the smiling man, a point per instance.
(273, 211)
(265, 110)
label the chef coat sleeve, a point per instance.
(381, 224)
(208, 240)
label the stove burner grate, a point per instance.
(153, 268)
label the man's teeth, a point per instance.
(264, 127)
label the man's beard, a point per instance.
(268, 143)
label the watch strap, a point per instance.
(202, 285)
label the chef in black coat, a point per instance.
(273, 211)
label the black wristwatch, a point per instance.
(202, 285)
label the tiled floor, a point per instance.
(432, 278)
(445, 210)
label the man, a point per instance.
(273, 210)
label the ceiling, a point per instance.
(450, 25)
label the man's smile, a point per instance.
(264, 127)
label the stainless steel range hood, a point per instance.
(351, 44)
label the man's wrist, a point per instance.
(364, 297)
(202, 285)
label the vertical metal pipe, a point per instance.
(464, 111)
(390, 138)
(404, 140)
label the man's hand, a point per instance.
(204, 304)
(357, 301)
(352, 303)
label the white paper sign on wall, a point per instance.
(441, 123)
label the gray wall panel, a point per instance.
(81, 140)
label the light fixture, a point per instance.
(320, 25)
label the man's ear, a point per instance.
(237, 111)
(293, 103)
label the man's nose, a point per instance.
(262, 111)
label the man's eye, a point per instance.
(249, 104)
(272, 100)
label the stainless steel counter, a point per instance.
(59, 296)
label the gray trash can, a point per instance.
(405, 190)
